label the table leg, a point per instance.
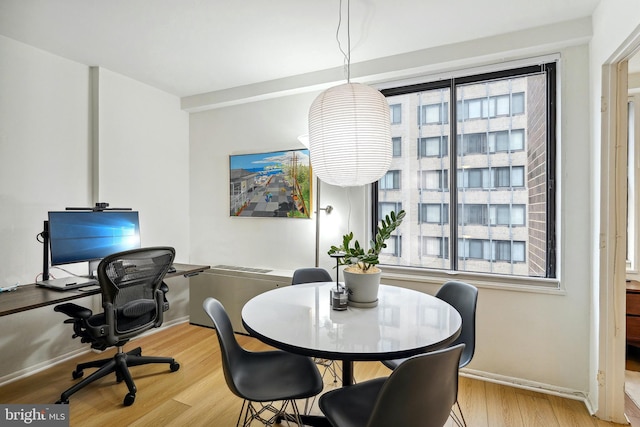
(347, 380)
(347, 373)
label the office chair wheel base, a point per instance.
(129, 399)
(77, 374)
(174, 366)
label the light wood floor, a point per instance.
(197, 394)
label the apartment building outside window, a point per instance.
(502, 149)
(397, 146)
(390, 181)
(396, 113)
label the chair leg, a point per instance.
(123, 372)
(459, 420)
(252, 412)
(108, 367)
(118, 364)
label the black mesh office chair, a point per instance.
(419, 392)
(133, 300)
(262, 377)
(464, 298)
(313, 275)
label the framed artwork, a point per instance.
(275, 184)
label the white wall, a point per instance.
(44, 150)
(46, 164)
(144, 158)
(218, 238)
(535, 339)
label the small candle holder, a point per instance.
(338, 297)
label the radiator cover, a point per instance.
(233, 286)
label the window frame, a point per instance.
(550, 71)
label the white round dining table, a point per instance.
(299, 319)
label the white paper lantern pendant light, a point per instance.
(350, 133)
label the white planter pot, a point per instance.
(362, 287)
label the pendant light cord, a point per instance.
(347, 54)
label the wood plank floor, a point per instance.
(197, 395)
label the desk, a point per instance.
(299, 319)
(31, 296)
(633, 313)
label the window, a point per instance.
(490, 142)
(433, 213)
(385, 208)
(484, 186)
(435, 247)
(393, 246)
(391, 180)
(433, 180)
(490, 106)
(396, 142)
(396, 113)
(491, 250)
(435, 146)
(433, 114)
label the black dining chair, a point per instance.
(464, 298)
(419, 393)
(262, 377)
(310, 275)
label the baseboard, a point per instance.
(23, 373)
(14, 376)
(529, 385)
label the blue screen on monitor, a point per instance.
(77, 236)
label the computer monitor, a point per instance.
(89, 236)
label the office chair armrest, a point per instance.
(73, 310)
(163, 287)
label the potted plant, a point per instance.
(362, 276)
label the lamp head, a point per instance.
(350, 135)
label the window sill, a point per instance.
(480, 280)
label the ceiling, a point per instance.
(189, 47)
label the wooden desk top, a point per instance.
(31, 296)
(633, 285)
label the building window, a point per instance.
(434, 146)
(487, 178)
(486, 214)
(433, 180)
(390, 181)
(490, 142)
(503, 187)
(491, 250)
(433, 114)
(490, 106)
(396, 114)
(385, 208)
(433, 213)
(437, 247)
(396, 142)
(394, 246)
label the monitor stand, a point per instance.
(93, 269)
